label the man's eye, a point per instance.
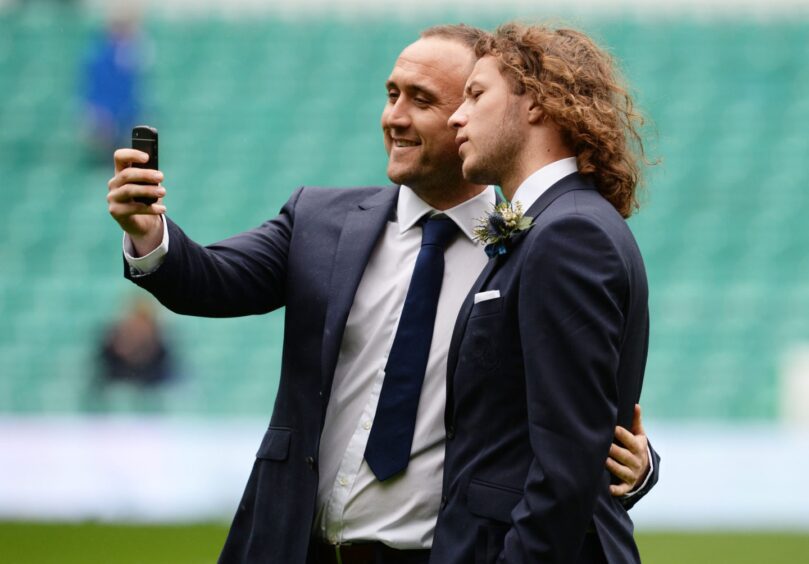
(421, 101)
(392, 96)
(476, 94)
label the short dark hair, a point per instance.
(464, 34)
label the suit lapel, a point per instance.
(466, 308)
(361, 230)
(463, 317)
(569, 183)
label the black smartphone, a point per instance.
(144, 138)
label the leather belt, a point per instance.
(368, 553)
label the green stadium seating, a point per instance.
(250, 109)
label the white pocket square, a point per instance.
(485, 296)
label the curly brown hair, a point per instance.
(580, 90)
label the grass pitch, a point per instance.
(90, 543)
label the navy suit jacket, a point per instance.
(537, 381)
(310, 259)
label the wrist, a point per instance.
(145, 243)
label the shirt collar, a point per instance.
(536, 184)
(410, 209)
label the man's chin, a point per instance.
(477, 174)
(399, 175)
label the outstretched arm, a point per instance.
(242, 275)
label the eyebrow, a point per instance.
(412, 89)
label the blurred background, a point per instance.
(129, 430)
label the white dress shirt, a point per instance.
(146, 264)
(352, 504)
(537, 183)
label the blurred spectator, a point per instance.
(133, 351)
(110, 84)
(133, 348)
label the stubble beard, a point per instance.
(431, 179)
(498, 155)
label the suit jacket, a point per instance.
(537, 381)
(310, 259)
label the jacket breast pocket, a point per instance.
(275, 444)
(488, 307)
(492, 501)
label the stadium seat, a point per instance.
(249, 110)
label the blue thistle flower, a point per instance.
(497, 225)
(496, 232)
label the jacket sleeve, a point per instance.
(634, 497)
(242, 275)
(572, 297)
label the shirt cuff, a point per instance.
(141, 266)
(648, 475)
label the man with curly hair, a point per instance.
(552, 349)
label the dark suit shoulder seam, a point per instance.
(587, 218)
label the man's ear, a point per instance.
(536, 115)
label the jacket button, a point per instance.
(310, 461)
(443, 501)
(451, 432)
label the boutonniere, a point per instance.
(498, 228)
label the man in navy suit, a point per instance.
(341, 262)
(550, 347)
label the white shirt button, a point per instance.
(366, 425)
(343, 481)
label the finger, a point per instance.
(125, 157)
(624, 456)
(129, 192)
(621, 472)
(135, 176)
(637, 424)
(120, 210)
(620, 490)
(627, 439)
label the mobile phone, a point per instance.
(144, 138)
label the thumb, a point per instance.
(637, 424)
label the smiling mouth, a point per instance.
(404, 143)
(460, 140)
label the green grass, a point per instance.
(90, 543)
(27, 543)
(724, 548)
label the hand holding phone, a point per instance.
(144, 138)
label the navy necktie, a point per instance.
(388, 450)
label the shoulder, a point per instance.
(326, 204)
(576, 212)
(581, 205)
(325, 195)
(585, 211)
(584, 231)
(578, 223)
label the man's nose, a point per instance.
(395, 116)
(457, 119)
